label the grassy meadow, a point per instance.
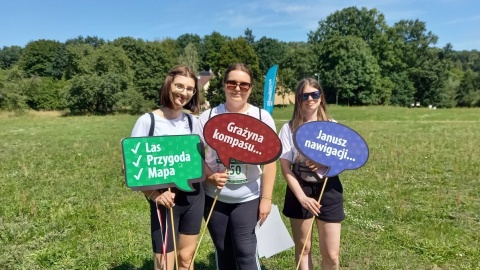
(414, 205)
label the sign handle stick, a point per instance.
(204, 228)
(311, 225)
(174, 235)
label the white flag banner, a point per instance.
(273, 236)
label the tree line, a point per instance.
(358, 58)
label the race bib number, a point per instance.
(237, 173)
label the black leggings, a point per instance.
(232, 228)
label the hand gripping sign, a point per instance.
(243, 138)
(163, 161)
(331, 144)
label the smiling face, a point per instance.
(311, 98)
(239, 94)
(181, 91)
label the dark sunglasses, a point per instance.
(315, 95)
(244, 86)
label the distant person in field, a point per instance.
(304, 184)
(179, 92)
(244, 192)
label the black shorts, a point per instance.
(187, 215)
(332, 201)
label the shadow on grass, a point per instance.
(148, 265)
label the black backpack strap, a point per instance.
(152, 124)
(210, 114)
(190, 125)
(260, 113)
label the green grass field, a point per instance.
(414, 205)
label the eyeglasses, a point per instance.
(179, 88)
(244, 86)
(315, 95)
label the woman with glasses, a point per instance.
(304, 184)
(178, 92)
(244, 193)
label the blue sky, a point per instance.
(454, 21)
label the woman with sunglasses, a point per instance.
(304, 184)
(179, 91)
(244, 194)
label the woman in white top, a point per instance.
(244, 193)
(304, 183)
(179, 91)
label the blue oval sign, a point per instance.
(331, 144)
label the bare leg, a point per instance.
(300, 228)
(329, 241)
(186, 248)
(161, 264)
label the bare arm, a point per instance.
(268, 180)
(308, 203)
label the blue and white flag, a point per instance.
(269, 89)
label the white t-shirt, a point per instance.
(163, 126)
(289, 151)
(244, 179)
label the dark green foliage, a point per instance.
(94, 41)
(9, 56)
(270, 52)
(38, 57)
(60, 62)
(210, 54)
(215, 94)
(45, 93)
(96, 94)
(133, 101)
(11, 95)
(469, 90)
(403, 91)
(150, 61)
(350, 71)
(359, 59)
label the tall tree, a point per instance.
(249, 36)
(299, 57)
(369, 25)
(77, 62)
(60, 62)
(190, 57)
(270, 52)
(426, 67)
(286, 82)
(211, 56)
(38, 57)
(184, 40)
(150, 61)
(94, 41)
(469, 91)
(350, 71)
(10, 56)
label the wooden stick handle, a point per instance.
(311, 225)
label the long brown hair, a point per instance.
(297, 118)
(166, 95)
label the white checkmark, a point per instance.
(136, 148)
(138, 175)
(138, 161)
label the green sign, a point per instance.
(163, 161)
